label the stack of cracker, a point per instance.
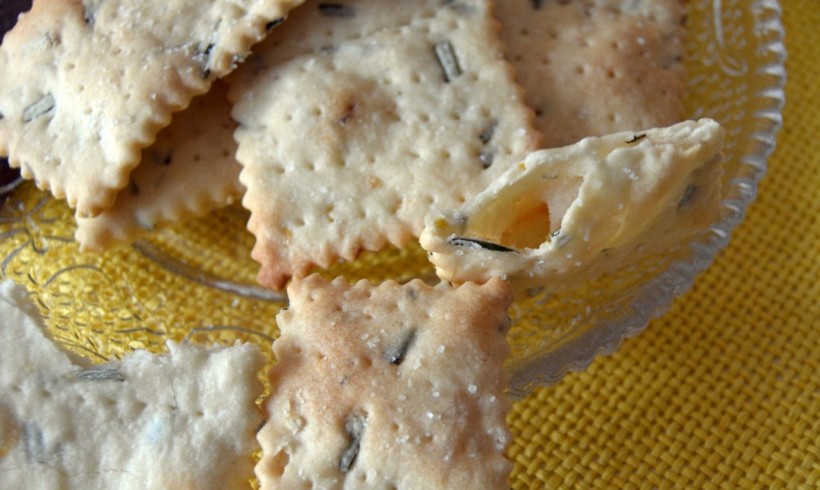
(340, 127)
(352, 121)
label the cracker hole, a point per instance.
(395, 206)
(610, 73)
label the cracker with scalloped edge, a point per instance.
(86, 85)
(567, 215)
(347, 147)
(185, 419)
(190, 170)
(388, 386)
(594, 67)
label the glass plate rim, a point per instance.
(656, 296)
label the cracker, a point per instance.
(594, 67)
(566, 215)
(388, 386)
(85, 85)
(181, 420)
(345, 148)
(190, 170)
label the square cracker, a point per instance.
(388, 386)
(594, 67)
(181, 420)
(190, 170)
(85, 85)
(346, 144)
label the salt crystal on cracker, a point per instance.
(345, 147)
(85, 85)
(388, 386)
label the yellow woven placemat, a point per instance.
(724, 390)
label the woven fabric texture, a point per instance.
(724, 390)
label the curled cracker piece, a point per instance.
(346, 145)
(190, 170)
(388, 386)
(566, 215)
(85, 85)
(595, 67)
(185, 419)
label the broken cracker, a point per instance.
(566, 215)
(86, 85)
(595, 67)
(190, 170)
(181, 420)
(388, 386)
(346, 147)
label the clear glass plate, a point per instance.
(197, 281)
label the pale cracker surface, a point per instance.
(346, 147)
(569, 214)
(184, 420)
(190, 170)
(388, 386)
(594, 67)
(85, 85)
